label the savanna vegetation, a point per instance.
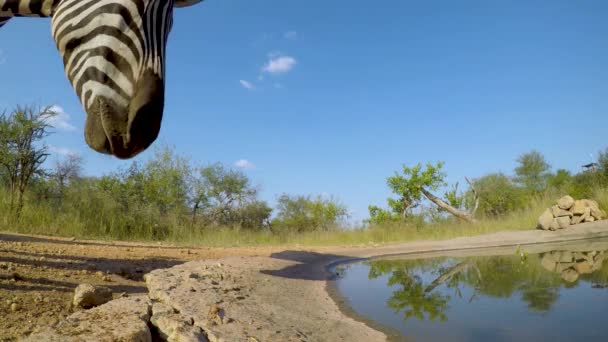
(173, 198)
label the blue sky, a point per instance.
(333, 96)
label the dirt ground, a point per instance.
(38, 274)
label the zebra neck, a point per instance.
(27, 8)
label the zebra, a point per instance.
(113, 52)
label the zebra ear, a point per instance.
(186, 3)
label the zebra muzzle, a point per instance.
(125, 132)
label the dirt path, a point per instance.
(39, 274)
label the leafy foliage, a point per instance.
(225, 196)
(408, 188)
(304, 213)
(498, 195)
(532, 171)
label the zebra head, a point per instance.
(114, 57)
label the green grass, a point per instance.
(103, 220)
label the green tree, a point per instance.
(409, 295)
(532, 171)
(304, 213)
(165, 180)
(223, 195)
(415, 182)
(378, 215)
(498, 195)
(560, 180)
(21, 151)
(254, 215)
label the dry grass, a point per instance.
(103, 222)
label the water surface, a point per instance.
(560, 295)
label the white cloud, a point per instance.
(61, 120)
(64, 151)
(292, 35)
(247, 84)
(244, 164)
(279, 64)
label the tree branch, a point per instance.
(476, 196)
(447, 275)
(442, 204)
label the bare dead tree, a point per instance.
(67, 170)
(476, 194)
(20, 156)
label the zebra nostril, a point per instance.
(125, 132)
(105, 126)
(146, 112)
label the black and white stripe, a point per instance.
(107, 45)
(104, 48)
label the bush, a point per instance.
(305, 214)
(498, 195)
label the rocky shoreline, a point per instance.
(283, 297)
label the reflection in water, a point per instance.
(424, 288)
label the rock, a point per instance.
(586, 214)
(548, 262)
(597, 213)
(565, 202)
(124, 319)
(273, 312)
(578, 256)
(596, 267)
(554, 224)
(545, 220)
(576, 219)
(583, 267)
(598, 258)
(566, 256)
(590, 219)
(563, 266)
(15, 307)
(215, 314)
(578, 208)
(87, 296)
(557, 212)
(173, 326)
(569, 275)
(591, 203)
(563, 221)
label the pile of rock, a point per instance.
(570, 265)
(568, 211)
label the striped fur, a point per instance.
(114, 55)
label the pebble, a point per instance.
(15, 307)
